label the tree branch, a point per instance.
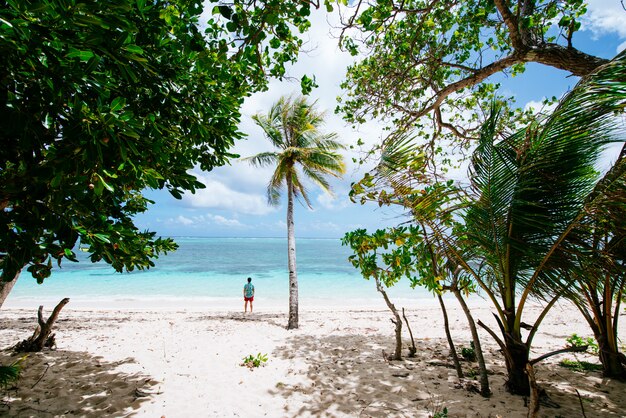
(569, 59)
(511, 22)
(574, 349)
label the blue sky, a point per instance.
(234, 203)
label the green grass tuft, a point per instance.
(580, 366)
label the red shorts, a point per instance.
(248, 299)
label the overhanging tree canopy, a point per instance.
(101, 100)
(427, 62)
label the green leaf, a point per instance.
(118, 103)
(104, 183)
(133, 49)
(82, 55)
(102, 238)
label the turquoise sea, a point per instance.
(209, 273)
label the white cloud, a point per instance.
(620, 47)
(605, 16)
(218, 195)
(183, 220)
(538, 106)
(220, 220)
(202, 221)
(333, 202)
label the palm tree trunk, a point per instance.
(516, 359)
(291, 257)
(516, 354)
(5, 288)
(613, 362)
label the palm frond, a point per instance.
(272, 129)
(300, 191)
(493, 172)
(531, 187)
(263, 159)
(322, 161)
(317, 178)
(277, 182)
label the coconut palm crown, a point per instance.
(293, 126)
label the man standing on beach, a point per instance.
(248, 295)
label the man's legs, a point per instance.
(245, 306)
(250, 306)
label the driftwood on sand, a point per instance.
(42, 337)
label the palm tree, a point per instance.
(532, 193)
(292, 126)
(538, 221)
(598, 268)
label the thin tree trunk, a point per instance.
(397, 355)
(291, 257)
(446, 326)
(5, 288)
(533, 403)
(484, 379)
(412, 348)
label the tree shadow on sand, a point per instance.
(275, 319)
(67, 383)
(347, 376)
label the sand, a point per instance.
(184, 363)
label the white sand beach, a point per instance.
(187, 363)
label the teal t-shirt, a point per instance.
(248, 289)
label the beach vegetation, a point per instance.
(384, 256)
(514, 232)
(254, 361)
(399, 179)
(303, 152)
(469, 353)
(598, 273)
(530, 191)
(101, 101)
(391, 254)
(441, 414)
(580, 366)
(575, 340)
(10, 374)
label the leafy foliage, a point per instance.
(469, 353)
(386, 255)
(531, 192)
(429, 64)
(575, 340)
(11, 373)
(102, 100)
(252, 361)
(441, 414)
